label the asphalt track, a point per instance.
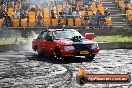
(24, 69)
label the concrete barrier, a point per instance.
(116, 45)
(15, 47)
(11, 33)
(103, 46)
(107, 32)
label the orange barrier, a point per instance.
(24, 22)
(55, 22)
(46, 15)
(63, 21)
(77, 21)
(70, 22)
(1, 22)
(82, 12)
(47, 21)
(31, 15)
(32, 22)
(46, 10)
(15, 22)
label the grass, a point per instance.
(117, 38)
(5, 41)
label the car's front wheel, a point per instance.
(57, 54)
(90, 57)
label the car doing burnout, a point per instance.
(64, 42)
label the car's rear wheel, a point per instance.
(57, 54)
(90, 57)
(39, 51)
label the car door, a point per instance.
(50, 45)
(42, 40)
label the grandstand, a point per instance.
(72, 13)
(119, 17)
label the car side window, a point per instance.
(42, 35)
(48, 34)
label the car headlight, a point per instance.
(94, 46)
(66, 48)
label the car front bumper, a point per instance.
(77, 53)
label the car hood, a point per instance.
(70, 42)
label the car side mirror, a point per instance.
(49, 38)
(90, 36)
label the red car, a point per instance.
(65, 42)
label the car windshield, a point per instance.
(66, 34)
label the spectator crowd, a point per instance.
(126, 8)
(21, 13)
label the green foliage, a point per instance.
(5, 41)
(118, 38)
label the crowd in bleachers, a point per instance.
(126, 8)
(20, 13)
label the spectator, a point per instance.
(95, 19)
(10, 4)
(7, 20)
(86, 9)
(53, 15)
(74, 6)
(39, 19)
(67, 10)
(127, 6)
(64, 11)
(61, 14)
(101, 22)
(96, 2)
(24, 15)
(16, 15)
(107, 12)
(18, 10)
(127, 1)
(78, 14)
(33, 9)
(25, 7)
(81, 7)
(89, 6)
(17, 4)
(92, 21)
(37, 8)
(69, 14)
(2, 13)
(86, 20)
(98, 15)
